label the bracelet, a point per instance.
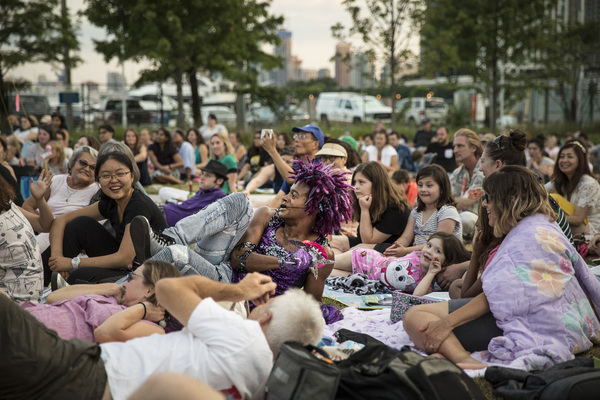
(145, 310)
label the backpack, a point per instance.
(377, 371)
(570, 380)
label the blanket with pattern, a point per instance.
(537, 286)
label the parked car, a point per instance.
(412, 110)
(351, 107)
(30, 104)
(263, 116)
(111, 112)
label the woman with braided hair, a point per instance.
(230, 241)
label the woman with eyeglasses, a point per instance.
(538, 295)
(70, 191)
(109, 256)
(107, 312)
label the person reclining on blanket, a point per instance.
(230, 241)
(218, 347)
(534, 310)
(107, 312)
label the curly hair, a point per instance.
(328, 197)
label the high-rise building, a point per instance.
(324, 73)
(362, 71)
(280, 76)
(342, 65)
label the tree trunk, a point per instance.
(196, 100)
(181, 114)
(5, 127)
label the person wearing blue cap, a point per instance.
(308, 140)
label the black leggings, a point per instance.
(86, 234)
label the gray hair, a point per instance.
(296, 316)
(77, 154)
(120, 147)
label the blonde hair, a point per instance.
(225, 139)
(516, 194)
(60, 157)
(472, 139)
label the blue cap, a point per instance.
(315, 130)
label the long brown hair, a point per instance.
(155, 270)
(562, 184)
(384, 193)
(138, 143)
(7, 194)
(516, 194)
(440, 176)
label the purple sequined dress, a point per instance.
(268, 245)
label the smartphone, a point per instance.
(266, 132)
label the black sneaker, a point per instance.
(57, 281)
(145, 241)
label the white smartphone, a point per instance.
(266, 132)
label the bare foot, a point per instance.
(468, 362)
(473, 365)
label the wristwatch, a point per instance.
(75, 262)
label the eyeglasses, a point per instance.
(207, 174)
(130, 276)
(118, 175)
(302, 136)
(84, 164)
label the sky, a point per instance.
(309, 21)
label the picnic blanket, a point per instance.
(537, 287)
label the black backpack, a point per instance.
(375, 372)
(570, 380)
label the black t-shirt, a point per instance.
(422, 138)
(392, 222)
(139, 204)
(445, 155)
(257, 158)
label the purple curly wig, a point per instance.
(328, 197)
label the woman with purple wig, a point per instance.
(283, 243)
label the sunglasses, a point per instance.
(486, 197)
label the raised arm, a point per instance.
(244, 254)
(270, 146)
(43, 221)
(181, 296)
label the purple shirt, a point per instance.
(75, 318)
(175, 212)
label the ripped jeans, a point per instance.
(214, 230)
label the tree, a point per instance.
(384, 27)
(31, 31)
(566, 58)
(492, 41)
(185, 37)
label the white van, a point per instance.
(351, 107)
(414, 109)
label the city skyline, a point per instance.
(309, 22)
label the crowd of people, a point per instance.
(104, 279)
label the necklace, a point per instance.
(70, 192)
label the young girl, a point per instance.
(435, 212)
(57, 161)
(415, 272)
(222, 151)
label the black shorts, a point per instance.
(37, 364)
(477, 334)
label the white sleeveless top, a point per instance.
(64, 199)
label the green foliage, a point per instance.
(384, 28)
(188, 36)
(33, 31)
(480, 38)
